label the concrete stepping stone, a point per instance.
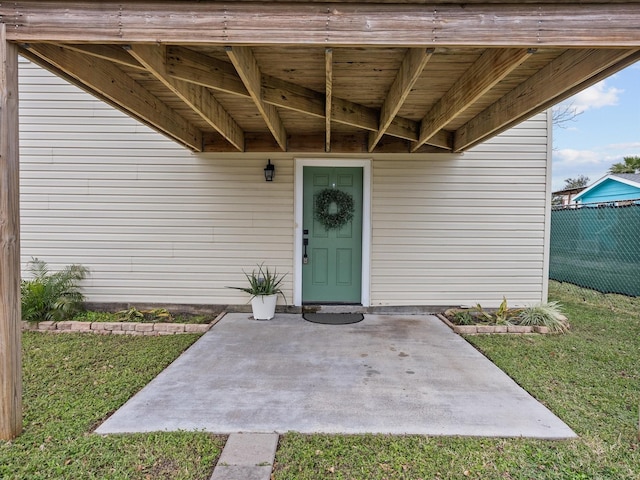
(247, 456)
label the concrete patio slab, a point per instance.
(395, 374)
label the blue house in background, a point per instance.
(611, 188)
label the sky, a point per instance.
(606, 130)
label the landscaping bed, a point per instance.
(485, 328)
(538, 318)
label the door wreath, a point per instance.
(345, 208)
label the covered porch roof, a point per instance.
(343, 77)
(299, 76)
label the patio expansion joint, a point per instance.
(247, 456)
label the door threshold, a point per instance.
(333, 308)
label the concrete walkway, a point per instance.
(401, 374)
(247, 456)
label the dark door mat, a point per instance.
(333, 318)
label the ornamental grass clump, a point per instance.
(52, 296)
(544, 315)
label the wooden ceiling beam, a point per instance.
(328, 92)
(249, 71)
(561, 78)
(198, 98)
(195, 67)
(484, 74)
(410, 70)
(356, 142)
(491, 23)
(291, 96)
(113, 53)
(112, 83)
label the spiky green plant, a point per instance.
(51, 296)
(463, 317)
(263, 282)
(131, 314)
(544, 315)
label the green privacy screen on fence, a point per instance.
(597, 246)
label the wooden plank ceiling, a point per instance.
(342, 77)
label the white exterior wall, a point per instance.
(158, 224)
(462, 230)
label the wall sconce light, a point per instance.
(269, 172)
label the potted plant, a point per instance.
(264, 286)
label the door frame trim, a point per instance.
(365, 164)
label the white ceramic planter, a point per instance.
(264, 307)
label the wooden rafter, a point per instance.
(191, 66)
(109, 81)
(487, 71)
(113, 53)
(196, 97)
(328, 74)
(555, 82)
(410, 70)
(249, 71)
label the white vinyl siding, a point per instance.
(152, 222)
(158, 224)
(463, 229)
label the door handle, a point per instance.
(305, 242)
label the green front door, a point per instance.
(332, 269)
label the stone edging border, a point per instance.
(479, 329)
(121, 328)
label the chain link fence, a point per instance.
(597, 246)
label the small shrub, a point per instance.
(159, 315)
(544, 315)
(130, 315)
(481, 315)
(92, 316)
(52, 296)
(504, 315)
(463, 317)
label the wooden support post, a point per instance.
(10, 332)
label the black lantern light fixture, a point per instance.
(269, 172)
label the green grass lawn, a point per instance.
(589, 377)
(71, 383)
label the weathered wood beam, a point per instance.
(526, 24)
(194, 67)
(249, 71)
(410, 70)
(328, 92)
(567, 74)
(356, 115)
(109, 81)
(113, 53)
(291, 96)
(484, 74)
(356, 142)
(10, 317)
(191, 66)
(198, 98)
